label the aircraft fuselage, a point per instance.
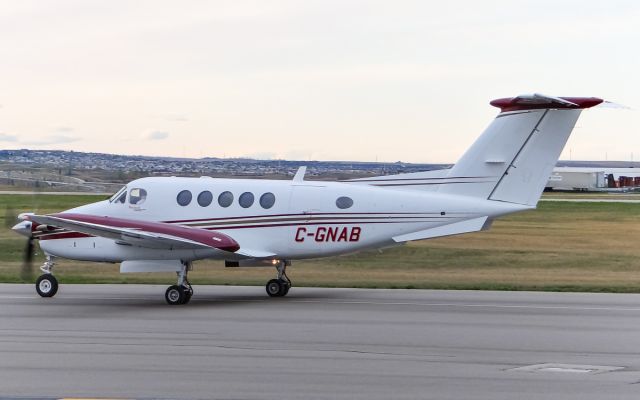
(304, 221)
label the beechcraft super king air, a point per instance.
(162, 224)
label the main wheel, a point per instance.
(188, 293)
(175, 295)
(277, 288)
(274, 287)
(47, 285)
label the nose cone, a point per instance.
(23, 228)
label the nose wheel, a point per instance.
(47, 284)
(280, 286)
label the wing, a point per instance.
(157, 235)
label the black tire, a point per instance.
(175, 295)
(188, 293)
(275, 288)
(47, 285)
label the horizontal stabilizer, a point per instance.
(470, 225)
(539, 101)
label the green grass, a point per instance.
(559, 246)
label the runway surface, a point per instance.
(236, 343)
(579, 200)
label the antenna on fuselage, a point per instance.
(299, 176)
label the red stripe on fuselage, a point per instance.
(275, 222)
(64, 235)
(292, 215)
(326, 223)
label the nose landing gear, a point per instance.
(47, 284)
(280, 286)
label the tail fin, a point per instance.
(514, 157)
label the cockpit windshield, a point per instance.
(118, 197)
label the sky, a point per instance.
(309, 80)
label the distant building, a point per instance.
(593, 178)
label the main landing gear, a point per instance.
(280, 286)
(47, 284)
(182, 292)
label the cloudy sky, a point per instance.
(327, 80)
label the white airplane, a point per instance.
(165, 224)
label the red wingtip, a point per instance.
(538, 102)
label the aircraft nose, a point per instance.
(23, 228)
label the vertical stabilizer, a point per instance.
(514, 157)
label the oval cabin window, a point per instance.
(205, 198)
(184, 198)
(267, 200)
(225, 199)
(344, 202)
(246, 200)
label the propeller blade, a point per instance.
(26, 272)
(10, 217)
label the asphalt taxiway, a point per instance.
(236, 343)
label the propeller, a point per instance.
(23, 227)
(10, 216)
(27, 270)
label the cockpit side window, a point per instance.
(137, 196)
(122, 198)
